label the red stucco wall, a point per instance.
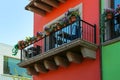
(88, 69)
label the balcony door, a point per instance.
(64, 35)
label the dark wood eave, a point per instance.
(45, 6)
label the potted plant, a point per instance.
(21, 44)
(47, 30)
(28, 40)
(109, 13)
(33, 39)
(59, 24)
(64, 21)
(39, 35)
(72, 15)
(53, 27)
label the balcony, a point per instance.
(111, 32)
(71, 43)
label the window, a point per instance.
(66, 34)
(11, 67)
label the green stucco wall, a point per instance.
(102, 6)
(111, 61)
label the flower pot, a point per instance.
(47, 33)
(109, 16)
(59, 26)
(64, 24)
(38, 37)
(73, 18)
(70, 21)
(21, 44)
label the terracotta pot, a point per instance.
(70, 21)
(59, 27)
(39, 37)
(47, 33)
(109, 16)
(73, 18)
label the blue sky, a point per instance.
(16, 23)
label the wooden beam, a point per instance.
(50, 65)
(61, 61)
(31, 71)
(43, 6)
(36, 10)
(53, 3)
(40, 68)
(74, 57)
(62, 1)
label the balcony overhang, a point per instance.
(42, 7)
(74, 51)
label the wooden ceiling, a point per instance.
(42, 7)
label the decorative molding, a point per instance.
(40, 68)
(74, 57)
(61, 61)
(88, 53)
(31, 71)
(50, 65)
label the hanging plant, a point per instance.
(15, 50)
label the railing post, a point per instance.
(94, 33)
(21, 55)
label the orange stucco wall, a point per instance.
(88, 69)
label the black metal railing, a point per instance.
(78, 29)
(112, 28)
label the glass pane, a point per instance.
(116, 3)
(11, 67)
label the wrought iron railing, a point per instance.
(78, 29)
(112, 28)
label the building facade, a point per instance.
(68, 53)
(110, 43)
(9, 70)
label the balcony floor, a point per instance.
(77, 46)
